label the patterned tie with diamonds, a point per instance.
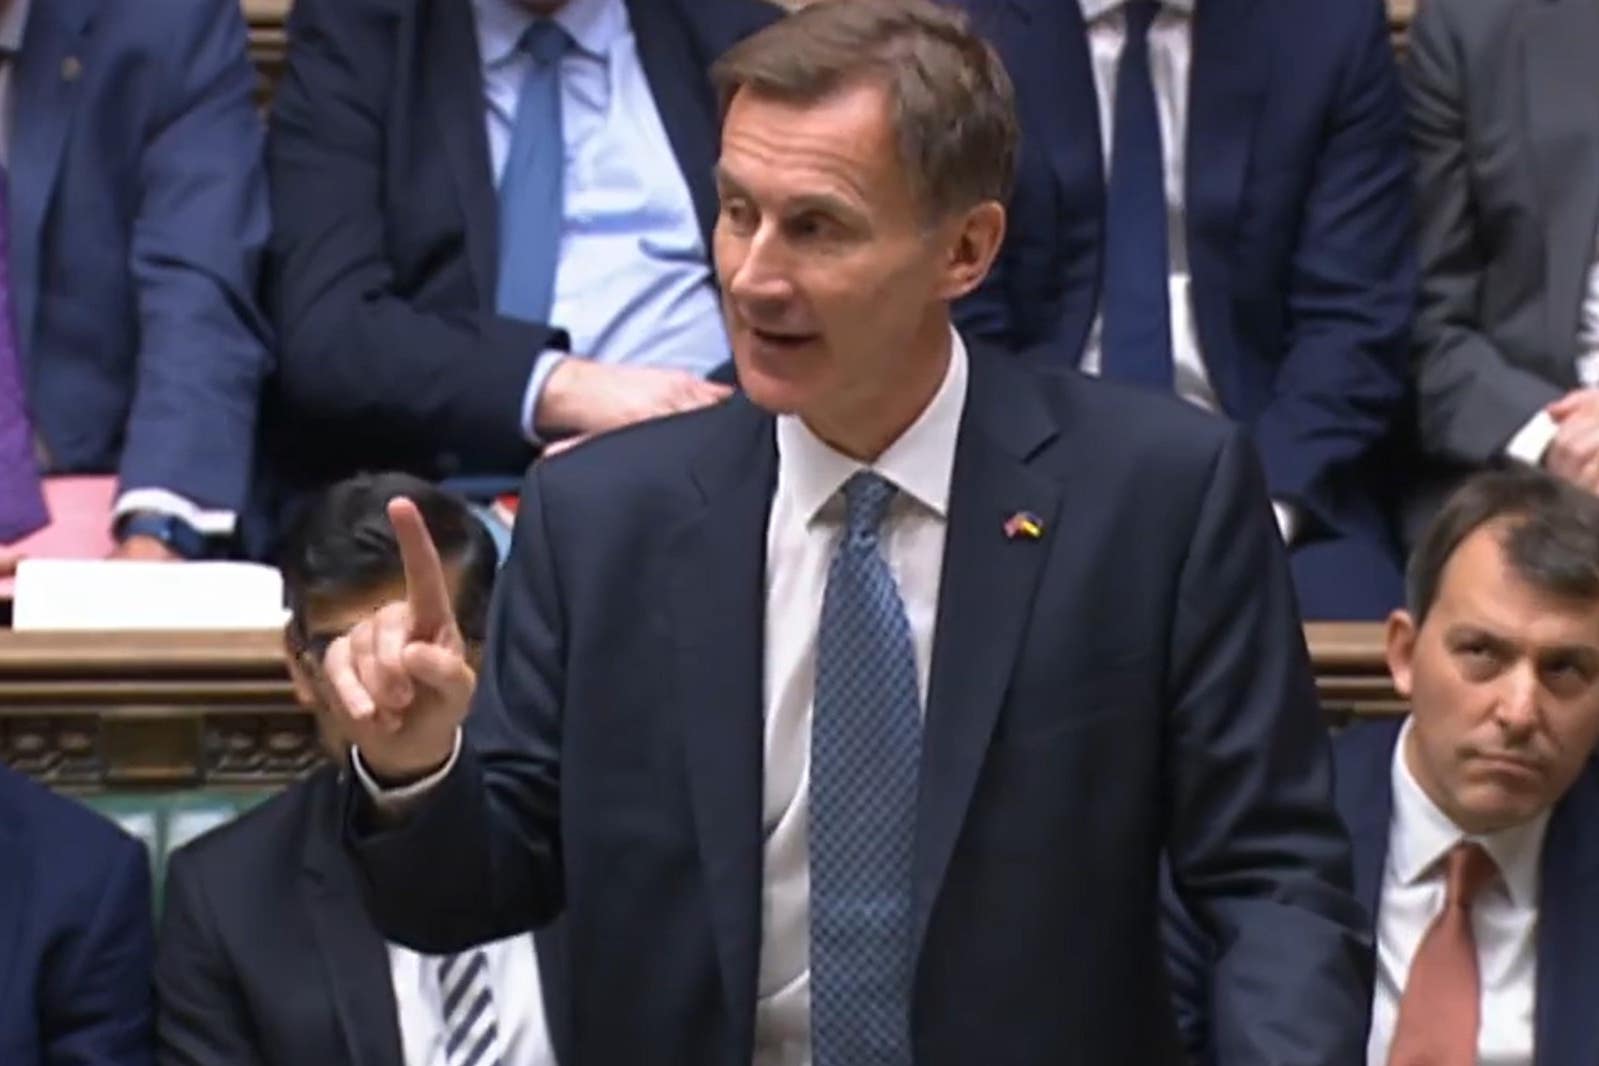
(866, 736)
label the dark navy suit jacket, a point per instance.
(74, 934)
(138, 215)
(267, 955)
(1568, 912)
(385, 252)
(1130, 683)
(1299, 227)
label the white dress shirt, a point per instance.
(633, 283)
(1534, 438)
(1170, 57)
(1170, 60)
(1504, 919)
(806, 520)
(518, 1004)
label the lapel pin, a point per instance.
(71, 67)
(1024, 525)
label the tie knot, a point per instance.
(545, 41)
(866, 498)
(1467, 870)
(1140, 14)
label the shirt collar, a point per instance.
(13, 23)
(919, 463)
(595, 26)
(1423, 834)
(1094, 10)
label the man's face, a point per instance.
(326, 621)
(836, 281)
(1503, 680)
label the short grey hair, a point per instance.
(953, 105)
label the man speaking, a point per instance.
(846, 722)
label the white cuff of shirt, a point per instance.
(1287, 520)
(396, 800)
(211, 523)
(1533, 439)
(543, 367)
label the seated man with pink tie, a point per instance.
(1473, 820)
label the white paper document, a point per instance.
(57, 594)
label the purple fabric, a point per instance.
(22, 506)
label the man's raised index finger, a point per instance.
(426, 590)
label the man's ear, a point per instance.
(974, 242)
(1400, 634)
(304, 689)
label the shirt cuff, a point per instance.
(543, 367)
(396, 800)
(211, 523)
(1288, 517)
(1533, 439)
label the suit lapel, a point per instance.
(1365, 800)
(717, 578)
(1560, 41)
(452, 81)
(1227, 86)
(984, 602)
(679, 80)
(45, 91)
(1568, 929)
(15, 861)
(352, 950)
(1055, 90)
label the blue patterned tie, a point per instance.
(1136, 343)
(22, 506)
(866, 738)
(532, 197)
(471, 1035)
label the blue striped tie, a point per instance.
(1136, 343)
(532, 193)
(470, 1033)
(866, 735)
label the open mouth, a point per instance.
(782, 340)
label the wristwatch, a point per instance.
(170, 530)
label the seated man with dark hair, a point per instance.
(74, 934)
(266, 954)
(1472, 820)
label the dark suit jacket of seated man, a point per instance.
(399, 280)
(137, 219)
(1503, 676)
(267, 954)
(1506, 343)
(1289, 258)
(74, 934)
(898, 795)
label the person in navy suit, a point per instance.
(135, 217)
(75, 939)
(1214, 198)
(482, 248)
(1498, 654)
(266, 953)
(846, 721)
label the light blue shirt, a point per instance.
(633, 284)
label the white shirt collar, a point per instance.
(1423, 834)
(919, 463)
(595, 26)
(1094, 10)
(13, 24)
